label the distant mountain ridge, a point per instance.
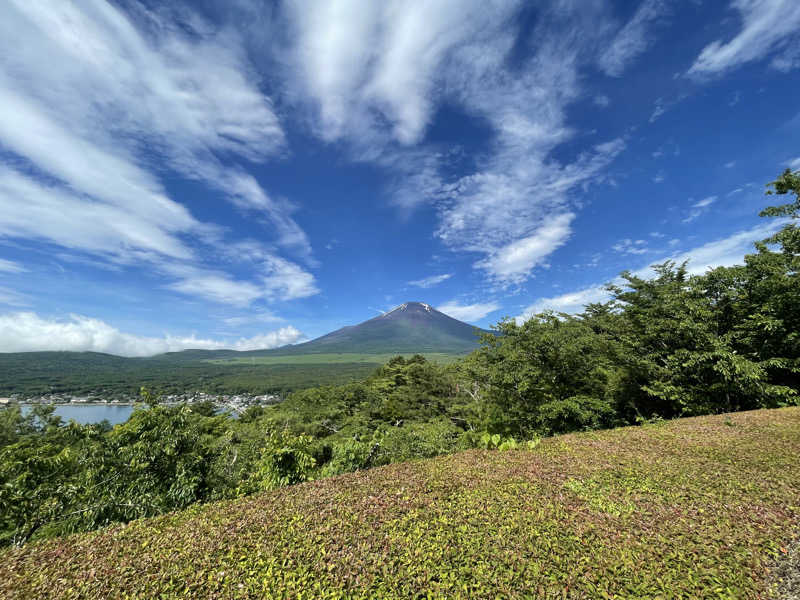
(408, 328)
(412, 327)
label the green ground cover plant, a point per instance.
(689, 508)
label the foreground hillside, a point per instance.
(694, 508)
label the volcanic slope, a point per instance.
(343, 355)
(409, 328)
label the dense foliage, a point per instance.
(672, 345)
(690, 508)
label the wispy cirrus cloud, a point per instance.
(633, 38)
(29, 332)
(369, 71)
(513, 263)
(9, 266)
(699, 208)
(98, 102)
(429, 282)
(273, 279)
(31, 209)
(377, 87)
(10, 297)
(767, 26)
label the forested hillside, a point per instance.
(30, 374)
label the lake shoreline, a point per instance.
(76, 403)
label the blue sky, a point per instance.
(248, 174)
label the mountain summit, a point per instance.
(410, 327)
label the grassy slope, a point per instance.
(694, 508)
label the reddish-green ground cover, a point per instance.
(694, 508)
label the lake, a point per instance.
(91, 413)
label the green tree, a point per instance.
(552, 373)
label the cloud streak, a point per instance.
(377, 86)
(429, 282)
(9, 266)
(99, 103)
(468, 312)
(767, 25)
(633, 39)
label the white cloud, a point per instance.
(724, 252)
(767, 25)
(628, 246)
(431, 281)
(376, 86)
(98, 102)
(707, 201)
(286, 280)
(217, 287)
(9, 266)
(468, 312)
(362, 63)
(276, 279)
(699, 208)
(33, 210)
(794, 164)
(633, 39)
(28, 332)
(514, 212)
(261, 317)
(658, 110)
(513, 263)
(730, 165)
(185, 95)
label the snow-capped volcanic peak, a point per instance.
(395, 309)
(413, 306)
(412, 327)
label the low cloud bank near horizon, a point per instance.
(28, 332)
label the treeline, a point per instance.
(90, 373)
(673, 345)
